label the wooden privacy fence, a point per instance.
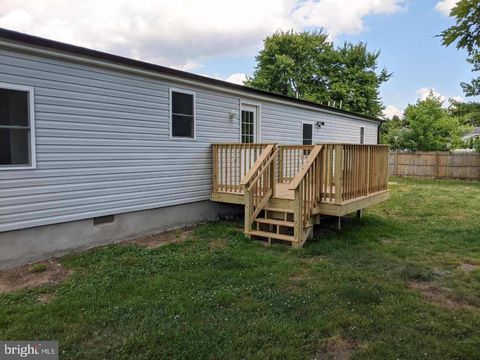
(442, 165)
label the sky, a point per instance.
(220, 38)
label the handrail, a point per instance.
(265, 153)
(307, 186)
(263, 169)
(259, 184)
(301, 174)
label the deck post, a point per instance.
(298, 216)
(273, 181)
(338, 173)
(248, 210)
(359, 213)
(280, 165)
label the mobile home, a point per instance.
(97, 148)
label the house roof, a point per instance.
(78, 50)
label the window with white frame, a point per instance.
(16, 127)
(307, 133)
(182, 110)
(362, 135)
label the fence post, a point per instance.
(396, 162)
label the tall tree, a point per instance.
(429, 127)
(308, 66)
(467, 112)
(466, 34)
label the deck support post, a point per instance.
(338, 173)
(339, 223)
(248, 208)
(359, 213)
(297, 216)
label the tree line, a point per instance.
(307, 65)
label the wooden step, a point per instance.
(273, 209)
(275, 222)
(270, 235)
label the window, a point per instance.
(182, 114)
(248, 124)
(307, 134)
(362, 135)
(16, 127)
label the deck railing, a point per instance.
(364, 171)
(231, 162)
(259, 184)
(348, 171)
(307, 186)
(290, 160)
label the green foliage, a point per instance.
(466, 34)
(426, 126)
(391, 133)
(351, 288)
(467, 112)
(308, 66)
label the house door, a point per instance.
(248, 135)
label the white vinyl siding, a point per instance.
(103, 141)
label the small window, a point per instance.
(307, 134)
(362, 135)
(16, 127)
(183, 114)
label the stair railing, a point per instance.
(307, 186)
(259, 184)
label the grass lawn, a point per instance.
(402, 282)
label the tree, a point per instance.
(468, 113)
(391, 133)
(429, 127)
(466, 34)
(306, 65)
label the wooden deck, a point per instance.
(286, 188)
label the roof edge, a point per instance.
(95, 54)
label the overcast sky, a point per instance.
(220, 38)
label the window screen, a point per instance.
(362, 135)
(14, 128)
(307, 134)
(183, 118)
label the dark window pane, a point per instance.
(182, 126)
(14, 147)
(362, 135)
(13, 107)
(307, 134)
(182, 103)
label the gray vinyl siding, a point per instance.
(103, 141)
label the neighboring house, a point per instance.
(473, 134)
(96, 148)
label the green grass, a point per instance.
(219, 295)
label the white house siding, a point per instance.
(283, 124)
(103, 142)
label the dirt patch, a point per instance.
(217, 245)
(468, 267)
(165, 238)
(439, 295)
(30, 276)
(46, 298)
(336, 348)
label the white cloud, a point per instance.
(444, 6)
(423, 92)
(391, 110)
(182, 33)
(238, 78)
